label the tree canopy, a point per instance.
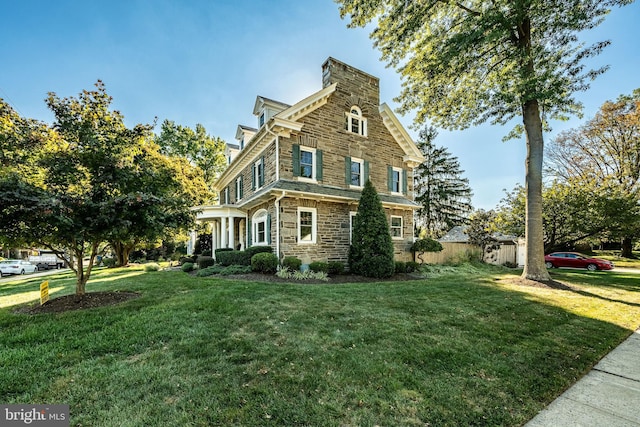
(466, 63)
(605, 153)
(444, 195)
(88, 180)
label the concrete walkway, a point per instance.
(608, 396)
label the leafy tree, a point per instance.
(572, 213)
(195, 145)
(465, 63)
(444, 195)
(93, 181)
(371, 251)
(605, 151)
(480, 230)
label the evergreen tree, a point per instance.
(444, 195)
(371, 251)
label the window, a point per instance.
(352, 215)
(356, 171)
(307, 162)
(397, 180)
(260, 228)
(242, 143)
(396, 227)
(354, 122)
(261, 120)
(258, 174)
(239, 189)
(307, 225)
(226, 195)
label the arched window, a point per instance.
(354, 122)
(260, 230)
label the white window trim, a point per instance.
(260, 217)
(352, 215)
(362, 131)
(401, 236)
(238, 187)
(313, 164)
(399, 170)
(314, 226)
(262, 118)
(256, 174)
(361, 162)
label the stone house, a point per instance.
(294, 181)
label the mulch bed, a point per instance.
(551, 284)
(74, 302)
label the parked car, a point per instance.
(16, 266)
(576, 260)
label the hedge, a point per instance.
(232, 257)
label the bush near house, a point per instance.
(264, 263)
(233, 257)
(319, 267)
(336, 268)
(371, 251)
(187, 267)
(205, 261)
(292, 263)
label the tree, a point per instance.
(93, 180)
(371, 251)
(572, 212)
(466, 63)
(480, 230)
(199, 148)
(605, 151)
(444, 196)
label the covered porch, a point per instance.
(228, 227)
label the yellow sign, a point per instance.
(44, 292)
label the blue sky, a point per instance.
(205, 61)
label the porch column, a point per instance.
(213, 239)
(223, 233)
(232, 243)
(192, 242)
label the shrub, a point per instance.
(152, 266)
(206, 253)
(371, 250)
(335, 268)
(205, 261)
(319, 266)
(209, 271)
(412, 266)
(109, 262)
(235, 269)
(186, 259)
(187, 267)
(264, 263)
(401, 267)
(232, 257)
(426, 245)
(292, 263)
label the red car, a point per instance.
(576, 260)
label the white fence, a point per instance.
(455, 251)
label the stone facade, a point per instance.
(324, 196)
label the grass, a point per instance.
(460, 347)
(618, 260)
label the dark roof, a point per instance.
(249, 128)
(273, 101)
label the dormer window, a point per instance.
(242, 143)
(261, 120)
(354, 122)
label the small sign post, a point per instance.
(44, 292)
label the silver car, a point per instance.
(16, 266)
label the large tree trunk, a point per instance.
(534, 267)
(122, 251)
(627, 247)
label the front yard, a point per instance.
(460, 347)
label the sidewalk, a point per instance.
(609, 395)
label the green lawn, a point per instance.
(458, 348)
(618, 260)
